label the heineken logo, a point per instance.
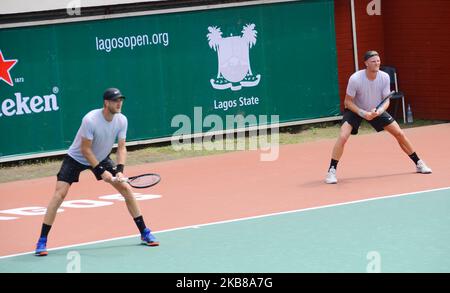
(5, 67)
(234, 70)
(20, 105)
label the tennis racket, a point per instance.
(140, 181)
(384, 100)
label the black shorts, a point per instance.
(355, 121)
(71, 169)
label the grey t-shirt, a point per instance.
(102, 133)
(368, 93)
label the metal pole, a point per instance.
(355, 45)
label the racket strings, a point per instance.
(143, 181)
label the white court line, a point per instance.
(236, 220)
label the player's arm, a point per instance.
(386, 92)
(121, 156)
(86, 150)
(121, 152)
(349, 104)
(382, 108)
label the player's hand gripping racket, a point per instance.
(140, 181)
(384, 100)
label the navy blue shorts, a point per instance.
(378, 123)
(71, 169)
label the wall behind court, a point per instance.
(275, 59)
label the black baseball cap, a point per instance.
(112, 94)
(370, 54)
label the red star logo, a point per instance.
(5, 67)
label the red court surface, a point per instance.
(222, 187)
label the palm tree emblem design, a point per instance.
(234, 69)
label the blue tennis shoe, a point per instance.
(148, 238)
(41, 247)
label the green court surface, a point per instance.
(393, 234)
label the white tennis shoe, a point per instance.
(331, 176)
(421, 167)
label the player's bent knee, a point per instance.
(343, 139)
(399, 134)
(128, 197)
(123, 188)
(127, 194)
(61, 190)
(60, 195)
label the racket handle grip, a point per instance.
(122, 179)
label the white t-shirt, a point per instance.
(102, 133)
(368, 93)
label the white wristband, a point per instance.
(362, 113)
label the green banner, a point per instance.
(266, 59)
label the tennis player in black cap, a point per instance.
(90, 150)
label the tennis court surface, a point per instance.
(235, 213)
